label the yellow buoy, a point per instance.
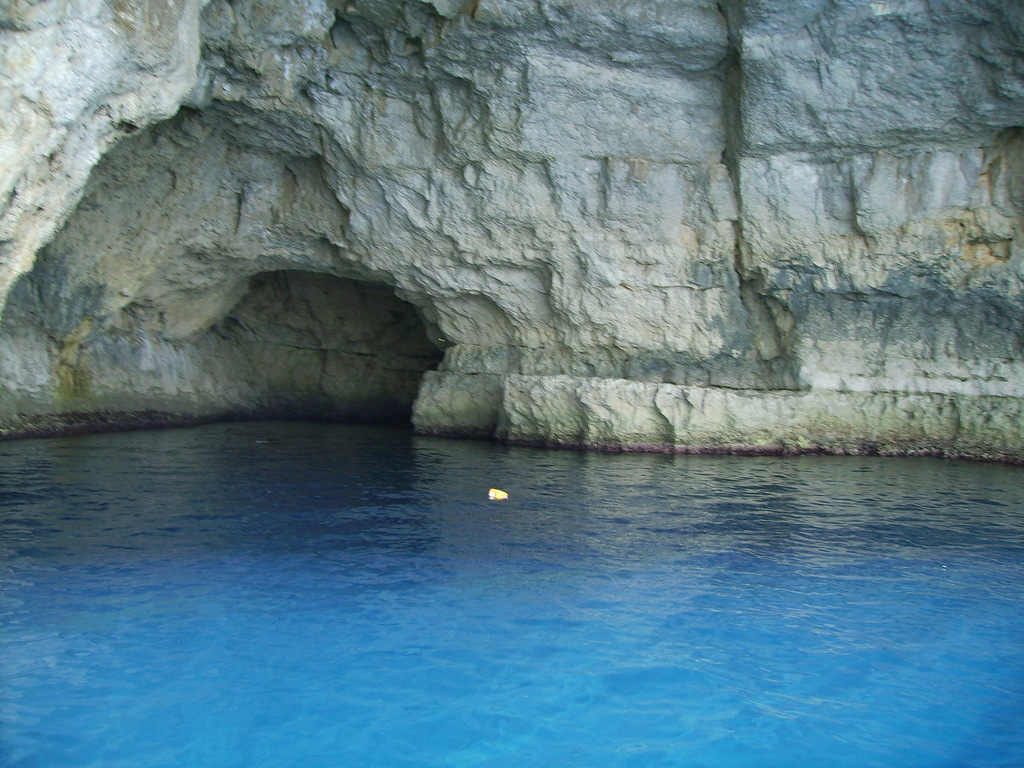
(495, 495)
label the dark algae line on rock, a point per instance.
(675, 225)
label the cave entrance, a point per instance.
(296, 345)
(207, 273)
(316, 346)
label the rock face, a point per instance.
(671, 224)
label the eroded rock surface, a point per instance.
(748, 225)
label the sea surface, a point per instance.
(281, 594)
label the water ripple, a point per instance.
(295, 594)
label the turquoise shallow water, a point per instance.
(273, 594)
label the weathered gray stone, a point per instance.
(756, 224)
(626, 415)
(75, 77)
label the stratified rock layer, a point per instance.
(676, 225)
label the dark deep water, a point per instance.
(273, 594)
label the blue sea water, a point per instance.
(275, 594)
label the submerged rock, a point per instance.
(677, 225)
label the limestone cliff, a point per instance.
(749, 225)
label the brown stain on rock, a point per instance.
(72, 376)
